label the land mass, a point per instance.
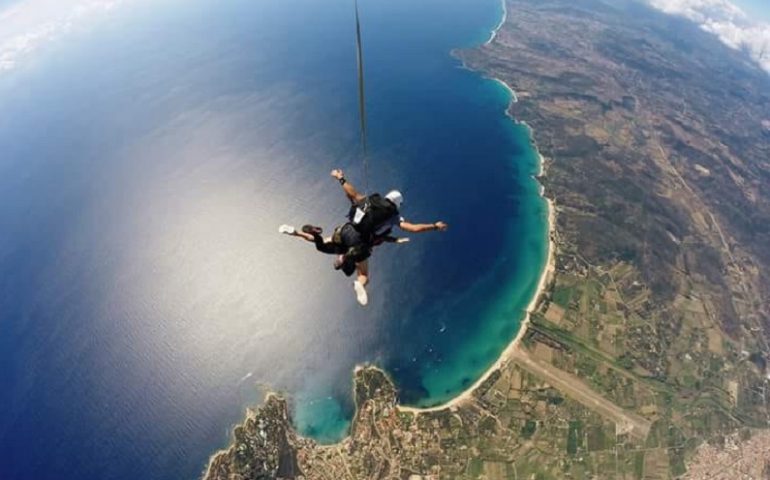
(646, 353)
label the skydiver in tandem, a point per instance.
(371, 220)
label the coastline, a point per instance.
(512, 92)
(545, 279)
(499, 25)
(506, 356)
(546, 275)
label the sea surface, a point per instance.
(147, 158)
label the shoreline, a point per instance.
(512, 92)
(499, 25)
(505, 357)
(210, 463)
(546, 277)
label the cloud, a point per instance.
(31, 24)
(728, 22)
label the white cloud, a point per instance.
(728, 22)
(29, 25)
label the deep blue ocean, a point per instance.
(147, 158)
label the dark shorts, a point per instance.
(347, 235)
(345, 241)
(330, 247)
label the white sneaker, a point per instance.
(287, 229)
(361, 295)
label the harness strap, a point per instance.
(362, 98)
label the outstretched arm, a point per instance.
(350, 190)
(423, 227)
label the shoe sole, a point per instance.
(361, 295)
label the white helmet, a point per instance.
(395, 197)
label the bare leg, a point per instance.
(363, 272)
(360, 284)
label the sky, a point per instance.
(758, 8)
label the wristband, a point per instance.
(342, 181)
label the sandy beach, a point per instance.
(502, 21)
(511, 91)
(545, 277)
(505, 357)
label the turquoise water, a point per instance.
(148, 158)
(514, 277)
(501, 318)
